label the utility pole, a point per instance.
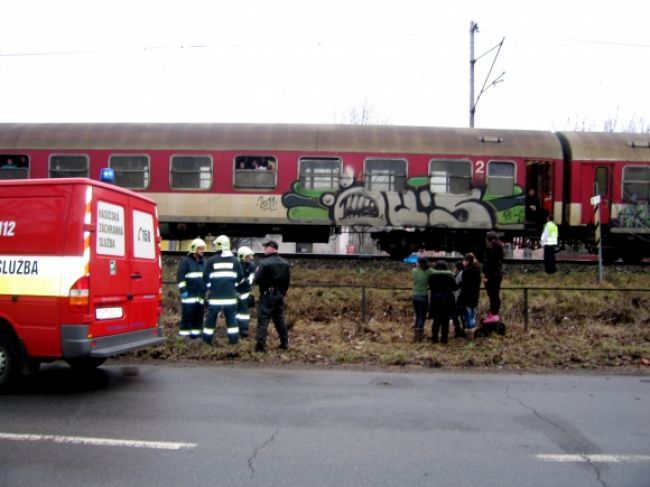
(473, 27)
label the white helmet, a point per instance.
(244, 252)
(196, 243)
(222, 242)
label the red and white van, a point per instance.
(80, 273)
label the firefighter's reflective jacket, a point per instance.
(190, 279)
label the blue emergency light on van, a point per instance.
(107, 175)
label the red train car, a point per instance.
(616, 167)
(410, 187)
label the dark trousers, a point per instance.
(442, 307)
(230, 314)
(440, 324)
(549, 259)
(493, 288)
(420, 304)
(243, 316)
(271, 306)
(191, 319)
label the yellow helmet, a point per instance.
(196, 243)
(222, 242)
(244, 252)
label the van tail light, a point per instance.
(79, 295)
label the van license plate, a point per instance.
(108, 313)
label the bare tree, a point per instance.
(363, 114)
(613, 123)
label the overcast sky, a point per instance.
(566, 63)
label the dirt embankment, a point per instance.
(335, 321)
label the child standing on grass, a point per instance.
(458, 315)
(420, 275)
(470, 289)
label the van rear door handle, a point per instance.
(136, 275)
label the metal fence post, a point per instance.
(526, 309)
(363, 304)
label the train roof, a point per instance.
(284, 137)
(607, 146)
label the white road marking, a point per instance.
(81, 440)
(595, 458)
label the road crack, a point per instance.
(258, 449)
(562, 430)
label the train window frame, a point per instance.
(68, 173)
(624, 182)
(489, 177)
(395, 184)
(210, 181)
(147, 173)
(334, 174)
(251, 178)
(449, 178)
(16, 170)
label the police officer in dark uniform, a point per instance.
(273, 277)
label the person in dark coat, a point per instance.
(470, 290)
(493, 275)
(533, 208)
(442, 285)
(273, 277)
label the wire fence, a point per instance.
(527, 292)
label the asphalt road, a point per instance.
(224, 426)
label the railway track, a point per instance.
(333, 261)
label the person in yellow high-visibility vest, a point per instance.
(549, 239)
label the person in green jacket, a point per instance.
(420, 275)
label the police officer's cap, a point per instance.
(271, 243)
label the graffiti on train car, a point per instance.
(354, 205)
(267, 203)
(633, 214)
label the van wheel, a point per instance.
(9, 366)
(85, 363)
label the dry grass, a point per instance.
(567, 329)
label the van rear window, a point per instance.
(144, 241)
(110, 229)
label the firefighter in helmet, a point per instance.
(192, 290)
(245, 255)
(221, 276)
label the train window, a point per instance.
(191, 172)
(69, 166)
(14, 166)
(450, 176)
(321, 173)
(255, 172)
(501, 178)
(636, 184)
(384, 174)
(131, 171)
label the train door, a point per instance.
(597, 180)
(539, 177)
